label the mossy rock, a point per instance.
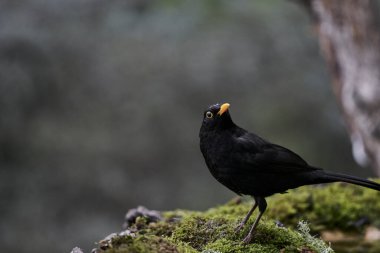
(335, 206)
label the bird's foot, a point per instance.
(239, 227)
(247, 239)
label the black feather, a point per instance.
(248, 164)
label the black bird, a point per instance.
(249, 165)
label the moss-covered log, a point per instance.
(328, 209)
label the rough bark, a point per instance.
(349, 38)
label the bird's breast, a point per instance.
(216, 150)
(217, 154)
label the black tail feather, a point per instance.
(334, 177)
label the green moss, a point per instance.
(336, 206)
(146, 244)
(214, 230)
(225, 245)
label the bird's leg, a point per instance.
(262, 206)
(246, 218)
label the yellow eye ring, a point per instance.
(209, 115)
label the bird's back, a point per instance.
(247, 164)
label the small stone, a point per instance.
(372, 234)
(127, 232)
(279, 224)
(109, 237)
(76, 250)
(105, 243)
(141, 211)
(360, 222)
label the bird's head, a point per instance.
(217, 117)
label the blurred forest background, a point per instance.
(101, 103)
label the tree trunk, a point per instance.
(349, 39)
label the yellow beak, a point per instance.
(223, 108)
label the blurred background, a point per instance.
(101, 103)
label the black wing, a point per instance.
(264, 157)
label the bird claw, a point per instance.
(239, 227)
(247, 239)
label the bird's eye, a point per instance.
(209, 115)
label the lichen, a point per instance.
(319, 245)
(335, 206)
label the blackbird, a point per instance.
(249, 165)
